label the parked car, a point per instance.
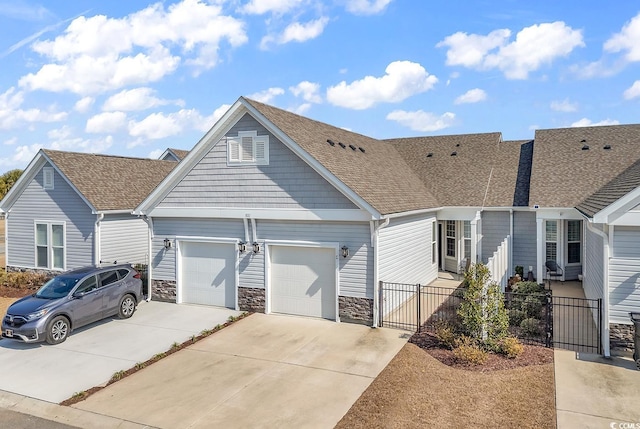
(71, 300)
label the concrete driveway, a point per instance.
(263, 371)
(91, 355)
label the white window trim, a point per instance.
(434, 242)
(235, 146)
(47, 178)
(567, 263)
(50, 246)
(454, 237)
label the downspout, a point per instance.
(606, 346)
(253, 230)
(246, 230)
(510, 242)
(96, 241)
(375, 230)
(149, 222)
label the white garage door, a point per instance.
(303, 281)
(208, 274)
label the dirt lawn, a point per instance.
(417, 391)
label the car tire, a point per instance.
(127, 307)
(58, 330)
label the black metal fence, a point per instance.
(538, 318)
(143, 269)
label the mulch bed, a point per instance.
(16, 292)
(531, 355)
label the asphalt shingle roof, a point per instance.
(180, 153)
(379, 175)
(111, 182)
(564, 175)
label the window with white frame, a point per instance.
(50, 245)
(248, 148)
(47, 178)
(451, 238)
(434, 243)
(467, 238)
(574, 241)
(551, 240)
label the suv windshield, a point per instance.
(57, 287)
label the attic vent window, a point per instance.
(342, 145)
(248, 148)
(352, 147)
(430, 155)
(331, 142)
(607, 147)
(47, 177)
(361, 149)
(454, 153)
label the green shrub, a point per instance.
(510, 347)
(528, 288)
(470, 354)
(532, 305)
(446, 334)
(530, 327)
(516, 316)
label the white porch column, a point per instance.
(476, 255)
(540, 253)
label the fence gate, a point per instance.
(576, 324)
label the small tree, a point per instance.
(482, 311)
(7, 180)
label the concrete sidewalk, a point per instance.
(263, 371)
(594, 392)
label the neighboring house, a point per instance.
(70, 209)
(173, 155)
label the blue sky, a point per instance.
(133, 78)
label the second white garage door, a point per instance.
(303, 281)
(208, 274)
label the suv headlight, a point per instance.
(37, 314)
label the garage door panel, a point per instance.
(208, 274)
(303, 281)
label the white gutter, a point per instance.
(96, 237)
(510, 243)
(149, 221)
(375, 230)
(246, 230)
(253, 230)
(606, 346)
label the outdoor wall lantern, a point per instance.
(345, 251)
(167, 244)
(256, 247)
(242, 246)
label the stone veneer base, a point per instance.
(621, 336)
(251, 299)
(163, 290)
(355, 310)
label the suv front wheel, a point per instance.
(58, 330)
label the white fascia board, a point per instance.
(630, 218)
(257, 213)
(458, 213)
(204, 145)
(409, 213)
(313, 163)
(613, 211)
(108, 212)
(559, 213)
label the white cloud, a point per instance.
(584, 122)
(564, 106)
(11, 141)
(98, 53)
(77, 144)
(422, 121)
(136, 99)
(301, 109)
(60, 133)
(155, 154)
(402, 80)
(627, 40)
(21, 155)
(633, 91)
(472, 96)
(84, 104)
(533, 47)
(106, 123)
(267, 95)
(12, 115)
(260, 7)
(296, 32)
(309, 91)
(160, 125)
(367, 7)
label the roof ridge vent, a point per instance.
(331, 142)
(607, 147)
(361, 149)
(430, 155)
(454, 153)
(585, 147)
(342, 145)
(457, 144)
(352, 147)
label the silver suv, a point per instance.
(72, 300)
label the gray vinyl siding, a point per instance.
(124, 238)
(524, 241)
(61, 204)
(163, 261)
(495, 228)
(287, 182)
(356, 271)
(593, 281)
(624, 274)
(405, 251)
